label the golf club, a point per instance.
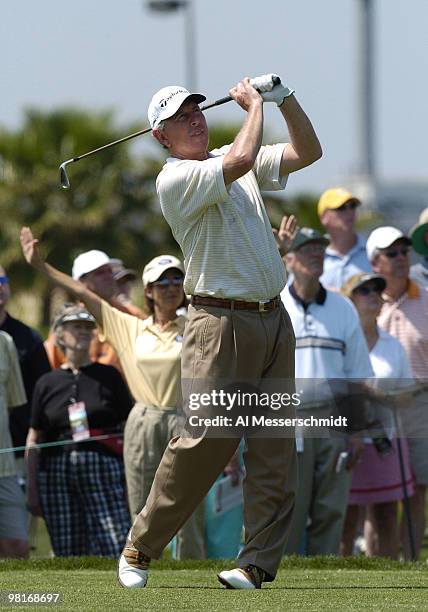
(64, 180)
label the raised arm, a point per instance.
(32, 255)
(241, 157)
(304, 148)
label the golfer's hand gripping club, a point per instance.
(271, 88)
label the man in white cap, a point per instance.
(346, 253)
(419, 238)
(94, 269)
(404, 315)
(237, 327)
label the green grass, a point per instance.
(302, 584)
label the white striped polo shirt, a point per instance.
(224, 231)
(330, 343)
(407, 320)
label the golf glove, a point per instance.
(270, 92)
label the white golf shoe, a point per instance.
(248, 577)
(133, 568)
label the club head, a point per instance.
(63, 177)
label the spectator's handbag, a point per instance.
(114, 443)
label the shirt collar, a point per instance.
(320, 297)
(177, 323)
(412, 292)
(358, 246)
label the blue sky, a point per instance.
(115, 54)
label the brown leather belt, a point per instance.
(263, 306)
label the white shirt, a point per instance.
(224, 232)
(330, 344)
(392, 371)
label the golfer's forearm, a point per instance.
(304, 140)
(78, 289)
(242, 155)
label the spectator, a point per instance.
(79, 487)
(419, 237)
(404, 315)
(32, 360)
(149, 352)
(93, 269)
(125, 279)
(13, 514)
(346, 254)
(329, 345)
(376, 482)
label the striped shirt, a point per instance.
(330, 343)
(224, 231)
(407, 320)
(12, 394)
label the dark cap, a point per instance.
(305, 235)
(73, 313)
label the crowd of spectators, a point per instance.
(98, 402)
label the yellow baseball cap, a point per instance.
(335, 198)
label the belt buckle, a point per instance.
(263, 305)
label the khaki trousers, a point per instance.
(147, 433)
(322, 497)
(224, 344)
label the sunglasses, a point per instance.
(4, 280)
(391, 254)
(348, 206)
(166, 282)
(366, 290)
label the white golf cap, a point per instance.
(88, 262)
(157, 266)
(166, 102)
(382, 238)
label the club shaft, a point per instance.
(112, 144)
(141, 132)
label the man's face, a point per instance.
(100, 281)
(4, 289)
(342, 218)
(307, 262)
(393, 262)
(185, 134)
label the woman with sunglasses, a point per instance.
(376, 483)
(150, 355)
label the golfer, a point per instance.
(237, 327)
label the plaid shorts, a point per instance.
(84, 503)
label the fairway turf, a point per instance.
(324, 584)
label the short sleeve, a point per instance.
(267, 168)
(187, 188)
(15, 392)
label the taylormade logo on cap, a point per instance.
(166, 102)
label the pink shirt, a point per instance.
(407, 320)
